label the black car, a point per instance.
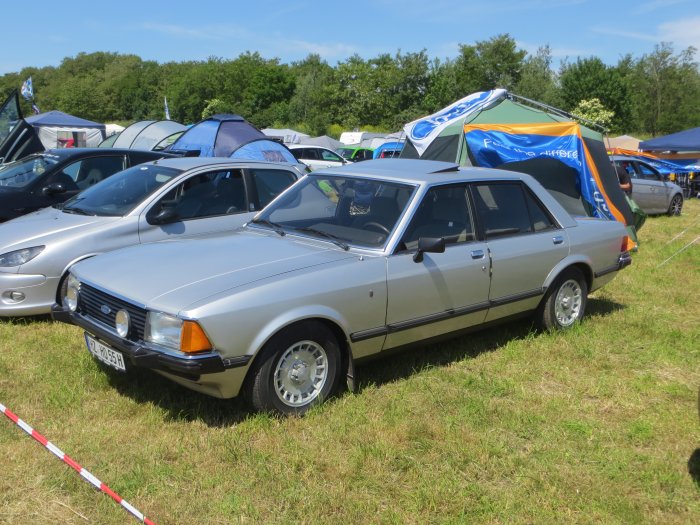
(44, 179)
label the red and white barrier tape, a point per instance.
(75, 466)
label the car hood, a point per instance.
(172, 275)
(45, 226)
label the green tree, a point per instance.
(538, 81)
(591, 78)
(494, 63)
(592, 110)
(667, 90)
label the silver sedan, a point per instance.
(149, 202)
(346, 264)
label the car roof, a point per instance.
(419, 171)
(187, 163)
(64, 153)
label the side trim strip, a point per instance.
(399, 326)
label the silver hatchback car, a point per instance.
(149, 202)
(346, 264)
(650, 190)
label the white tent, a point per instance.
(111, 129)
(60, 130)
(288, 136)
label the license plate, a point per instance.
(105, 354)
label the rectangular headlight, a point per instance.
(163, 329)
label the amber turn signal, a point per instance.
(193, 338)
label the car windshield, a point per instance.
(344, 210)
(122, 192)
(23, 172)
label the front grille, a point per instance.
(92, 303)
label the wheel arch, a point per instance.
(64, 273)
(332, 324)
(580, 263)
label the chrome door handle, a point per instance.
(558, 239)
(477, 254)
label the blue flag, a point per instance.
(28, 89)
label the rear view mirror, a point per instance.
(429, 245)
(164, 216)
(53, 188)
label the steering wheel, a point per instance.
(377, 226)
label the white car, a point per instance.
(316, 157)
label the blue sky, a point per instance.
(43, 33)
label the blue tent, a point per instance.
(230, 136)
(688, 140)
(62, 120)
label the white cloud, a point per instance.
(655, 5)
(214, 32)
(682, 33)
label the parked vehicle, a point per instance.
(348, 263)
(150, 202)
(355, 154)
(650, 189)
(316, 157)
(49, 178)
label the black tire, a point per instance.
(297, 369)
(676, 206)
(565, 301)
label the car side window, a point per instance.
(502, 209)
(329, 155)
(541, 220)
(647, 172)
(443, 212)
(206, 195)
(96, 169)
(269, 183)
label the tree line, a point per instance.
(652, 95)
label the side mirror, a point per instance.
(429, 245)
(53, 188)
(166, 215)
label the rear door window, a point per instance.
(269, 183)
(502, 208)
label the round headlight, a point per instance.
(121, 322)
(72, 291)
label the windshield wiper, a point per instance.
(76, 211)
(277, 228)
(333, 238)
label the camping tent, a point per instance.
(59, 130)
(324, 141)
(230, 136)
(288, 136)
(500, 130)
(688, 140)
(147, 134)
(627, 142)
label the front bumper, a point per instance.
(38, 293)
(143, 355)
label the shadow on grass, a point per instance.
(694, 466)
(27, 320)
(602, 306)
(181, 404)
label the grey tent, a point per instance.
(147, 134)
(57, 129)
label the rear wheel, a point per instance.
(297, 369)
(565, 301)
(676, 206)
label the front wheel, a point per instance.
(676, 206)
(297, 369)
(564, 302)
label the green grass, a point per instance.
(595, 425)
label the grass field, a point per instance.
(595, 425)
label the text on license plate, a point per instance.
(105, 354)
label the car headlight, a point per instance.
(19, 257)
(72, 293)
(172, 332)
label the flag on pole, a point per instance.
(35, 108)
(167, 110)
(28, 89)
